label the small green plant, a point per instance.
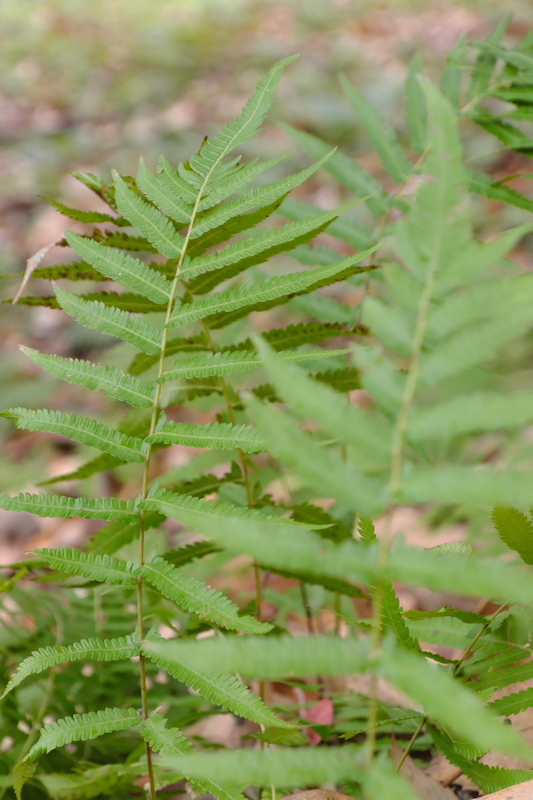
(434, 316)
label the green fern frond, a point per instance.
(416, 107)
(112, 321)
(22, 772)
(267, 657)
(345, 229)
(515, 530)
(162, 196)
(180, 505)
(450, 703)
(473, 413)
(102, 568)
(95, 649)
(257, 296)
(82, 727)
(512, 703)
(292, 766)
(264, 195)
(302, 333)
(485, 186)
(228, 362)
(391, 616)
(349, 173)
(157, 228)
(84, 216)
(98, 464)
(110, 538)
(108, 380)
(366, 530)
(123, 241)
(178, 344)
(225, 691)
(245, 127)
(259, 246)
(369, 437)
(75, 271)
(326, 472)
(190, 552)
(194, 596)
(51, 505)
(459, 484)
(501, 678)
(80, 429)
(380, 133)
(121, 267)
(90, 783)
(217, 435)
(171, 741)
(489, 779)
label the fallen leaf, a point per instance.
(425, 786)
(321, 714)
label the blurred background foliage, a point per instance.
(90, 85)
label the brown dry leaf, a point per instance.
(32, 264)
(318, 794)
(522, 791)
(424, 785)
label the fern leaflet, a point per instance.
(80, 429)
(217, 435)
(102, 568)
(51, 505)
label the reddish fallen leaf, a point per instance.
(322, 714)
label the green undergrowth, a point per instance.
(104, 665)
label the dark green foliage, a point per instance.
(437, 314)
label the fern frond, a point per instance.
(381, 134)
(485, 186)
(346, 229)
(82, 727)
(264, 195)
(267, 657)
(302, 333)
(84, 216)
(75, 271)
(112, 321)
(326, 472)
(255, 249)
(257, 296)
(162, 196)
(194, 596)
(369, 437)
(217, 435)
(80, 429)
(224, 187)
(225, 691)
(450, 703)
(157, 228)
(121, 267)
(171, 741)
(94, 649)
(90, 783)
(110, 538)
(22, 772)
(51, 505)
(124, 241)
(501, 678)
(105, 568)
(391, 616)
(466, 485)
(226, 363)
(515, 530)
(175, 505)
(245, 127)
(366, 530)
(109, 380)
(349, 173)
(473, 413)
(416, 107)
(192, 344)
(292, 766)
(98, 464)
(190, 552)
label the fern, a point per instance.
(112, 321)
(80, 429)
(103, 568)
(109, 380)
(194, 596)
(82, 727)
(50, 505)
(98, 649)
(220, 436)
(222, 690)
